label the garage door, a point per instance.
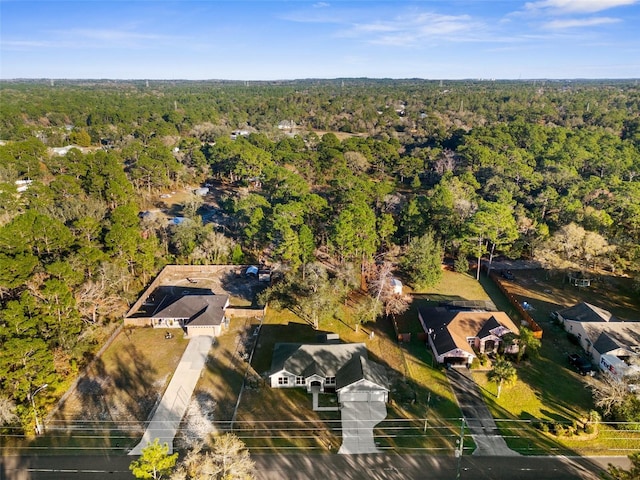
(377, 396)
(354, 397)
(362, 397)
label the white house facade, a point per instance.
(340, 368)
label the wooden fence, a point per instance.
(533, 325)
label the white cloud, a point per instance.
(81, 38)
(321, 5)
(26, 44)
(410, 30)
(106, 35)
(579, 23)
(576, 6)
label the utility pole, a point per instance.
(426, 415)
(460, 448)
(39, 427)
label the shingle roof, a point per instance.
(487, 327)
(450, 329)
(585, 312)
(607, 336)
(295, 358)
(197, 309)
(359, 368)
(437, 320)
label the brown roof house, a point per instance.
(342, 368)
(455, 336)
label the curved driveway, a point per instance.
(478, 417)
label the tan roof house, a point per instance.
(455, 336)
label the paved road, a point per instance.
(176, 398)
(480, 421)
(355, 467)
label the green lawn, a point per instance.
(547, 389)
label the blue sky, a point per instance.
(268, 40)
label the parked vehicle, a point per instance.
(581, 364)
(508, 275)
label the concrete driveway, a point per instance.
(479, 420)
(175, 400)
(358, 421)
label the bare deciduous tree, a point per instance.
(609, 393)
(7, 411)
(228, 459)
(573, 247)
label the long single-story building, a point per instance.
(195, 311)
(602, 335)
(342, 368)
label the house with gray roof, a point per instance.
(195, 311)
(607, 339)
(341, 368)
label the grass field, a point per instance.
(112, 402)
(124, 384)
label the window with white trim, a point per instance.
(330, 381)
(283, 380)
(299, 380)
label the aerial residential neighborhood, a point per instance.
(296, 240)
(236, 311)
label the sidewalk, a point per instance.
(175, 400)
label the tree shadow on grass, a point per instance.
(134, 378)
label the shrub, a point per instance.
(558, 429)
(589, 428)
(461, 264)
(544, 427)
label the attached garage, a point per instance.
(354, 397)
(372, 396)
(362, 381)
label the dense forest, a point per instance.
(348, 171)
